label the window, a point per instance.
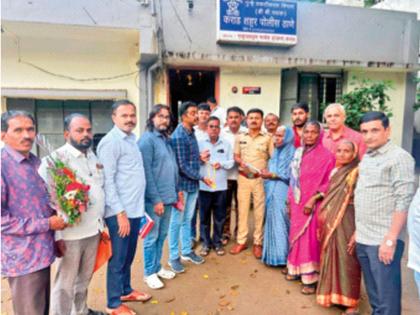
(49, 116)
(319, 89)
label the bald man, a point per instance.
(335, 116)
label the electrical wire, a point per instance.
(59, 75)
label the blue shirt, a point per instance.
(220, 152)
(160, 168)
(185, 146)
(124, 174)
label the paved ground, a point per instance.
(226, 285)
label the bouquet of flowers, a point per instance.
(68, 193)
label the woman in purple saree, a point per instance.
(311, 168)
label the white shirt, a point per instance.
(220, 113)
(199, 134)
(230, 137)
(89, 170)
(413, 224)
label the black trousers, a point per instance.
(212, 203)
(231, 195)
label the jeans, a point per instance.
(417, 279)
(180, 227)
(194, 222)
(212, 203)
(119, 266)
(153, 242)
(383, 282)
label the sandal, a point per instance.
(120, 310)
(136, 296)
(204, 251)
(308, 289)
(284, 270)
(220, 251)
(290, 277)
(225, 240)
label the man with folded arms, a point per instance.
(125, 184)
(252, 151)
(27, 220)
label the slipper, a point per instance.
(136, 296)
(120, 310)
(291, 277)
(308, 289)
(284, 271)
(204, 251)
(220, 251)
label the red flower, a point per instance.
(77, 186)
(69, 173)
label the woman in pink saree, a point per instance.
(311, 168)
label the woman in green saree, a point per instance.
(340, 275)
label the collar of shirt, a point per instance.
(241, 129)
(19, 157)
(260, 133)
(76, 153)
(344, 134)
(187, 131)
(219, 140)
(121, 134)
(381, 150)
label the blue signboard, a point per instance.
(257, 22)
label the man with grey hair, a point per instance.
(79, 242)
(335, 117)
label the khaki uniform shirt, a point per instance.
(254, 150)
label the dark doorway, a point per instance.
(190, 85)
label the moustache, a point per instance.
(27, 140)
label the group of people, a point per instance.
(327, 205)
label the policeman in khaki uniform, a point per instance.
(253, 149)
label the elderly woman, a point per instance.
(276, 230)
(311, 168)
(339, 279)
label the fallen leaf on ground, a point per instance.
(224, 302)
(304, 306)
(154, 302)
(172, 313)
(255, 270)
(170, 300)
(287, 291)
(234, 293)
(184, 313)
(235, 287)
(230, 307)
(253, 275)
(222, 296)
(205, 276)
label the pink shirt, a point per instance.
(348, 134)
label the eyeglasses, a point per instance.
(213, 127)
(164, 117)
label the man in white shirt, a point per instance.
(78, 243)
(233, 128)
(200, 129)
(217, 111)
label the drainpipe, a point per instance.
(150, 86)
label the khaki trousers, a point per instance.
(246, 189)
(74, 272)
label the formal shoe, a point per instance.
(176, 266)
(166, 274)
(153, 282)
(192, 257)
(257, 251)
(237, 248)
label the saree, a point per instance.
(276, 228)
(311, 168)
(340, 274)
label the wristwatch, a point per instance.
(389, 243)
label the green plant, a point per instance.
(368, 95)
(417, 103)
